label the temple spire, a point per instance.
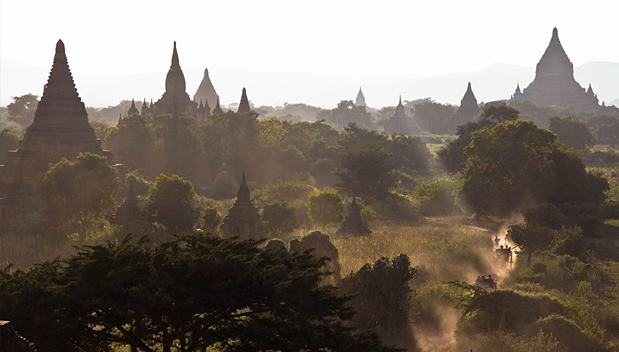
(175, 62)
(360, 100)
(144, 110)
(244, 105)
(132, 110)
(217, 110)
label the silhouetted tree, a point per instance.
(22, 109)
(573, 133)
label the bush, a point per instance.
(326, 207)
(437, 198)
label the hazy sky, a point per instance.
(316, 52)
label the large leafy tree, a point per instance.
(172, 203)
(326, 207)
(8, 141)
(516, 164)
(347, 112)
(133, 143)
(572, 132)
(22, 109)
(194, 293)
(79, 190)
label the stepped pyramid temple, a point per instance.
(399, 122)
(206, 92)
(244, 105)
(175, 98)
(468, 108)
(60, 129)
(554, 83)
(243, 217)
(360, 100)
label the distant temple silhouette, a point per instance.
(60, 129)
(399, 122)
(206, 92)
(468, 108)
(554, 83)
(360, 100)
(175, 98)
(243, 217)
(244, 105)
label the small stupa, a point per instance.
(399, 122)
(128, 212)
(468, 108)
(243, 217)
(144, 109)
(360, 100)
(244, 105)
(353, 223)
(217, 110)
(132, 110)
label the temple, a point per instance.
(60, 129)
(244, 105)
(399, 122)
(175, 98)
(243, 217)
(360, 100)
(468, 108)
(554, 84)
(128, 212)
(217, 110)
(144, 109)
(206, 92)
(353, 223)
(133, 110)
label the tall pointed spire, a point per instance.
(217, 110)
(175, 62)
(244, 105)
(399, 122)
(175, 80)
(144, 109)
(243, 217)
(206, 90)
(360, 100)
(175, 99)
(132, 110)
(468, 108)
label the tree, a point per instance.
(76, 191)
(452, 156)
(279, 218)
(22, 109)
(8, 141)
(368, 172)
(410, 154)
(382, 301)
(194, 293)
(516, 164)
(347, 112)
(133, 143)
(573, 133)
(433, 117)
(531, 238)
(171, 203)
(326, 207)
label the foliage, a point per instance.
(437, 197)
(8, 141)
(516, 164)
(133, 143)
(22, 109)
(194, 293)
(433, 117)
(171, 203)
(76, 192)
(326, 207)
(279, 218)
(345, 113)
(383, 298)
(573, 133)
(531, 238)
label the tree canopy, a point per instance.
(193, 293)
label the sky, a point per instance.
(316, 52)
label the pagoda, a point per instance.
(360, 100)
(60, 129)
(468, 108)
(175, 98)
(206, 91)
(353, 223)
(399, 122)
(554, 84)
(128, 212)
(133, 110)
(243, 217)
(244, 105)
(217, 110)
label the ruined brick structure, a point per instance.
(11, 341)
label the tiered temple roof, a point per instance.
(468, 108)
(60, 129)
(554, 83)
(399, 122)
(175, 98)
(206, 91)
(243, 217)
